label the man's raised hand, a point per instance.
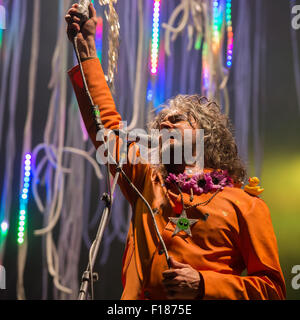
(85, 33)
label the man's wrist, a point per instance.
(91, 46)
(88, 58)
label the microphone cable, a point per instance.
(100, 126)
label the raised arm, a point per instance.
(100, 94)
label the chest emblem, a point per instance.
(183, 223)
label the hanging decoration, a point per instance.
(205, 21)
(155, 37)
(99, 37)
(230, 36)
(24, 198)
(113, 39)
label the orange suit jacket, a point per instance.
(237, 235)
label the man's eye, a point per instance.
(178, 118)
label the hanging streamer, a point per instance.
(113, 36)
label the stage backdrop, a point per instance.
(243, 53)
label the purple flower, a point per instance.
(184, 182)
(171, 178)
(221, 179)
(202, 183)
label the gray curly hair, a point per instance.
(220, 149)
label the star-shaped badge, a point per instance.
(183, 224)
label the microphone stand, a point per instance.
(88, 276)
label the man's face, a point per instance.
(177, 132)
(179, 122)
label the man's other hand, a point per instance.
(181, 282)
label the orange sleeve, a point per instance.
(258, 246)
(110, 118)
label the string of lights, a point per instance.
(24, 199)
(2, 21)
(205, 69)
(155, 37)
(217, 25)
(230, 36)
(99, 35)
(99, 38)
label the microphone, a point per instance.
(83, 8)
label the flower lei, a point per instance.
(202, 182)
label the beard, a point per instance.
(171, 152)
(172, 155)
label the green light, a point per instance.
(198, 43)
(4, 228)
(20, 240)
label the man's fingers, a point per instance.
(68, 18)
(92, 11)
(73, 30)
(168, 274)
(71, 19)
(171, 282)
(73, 12)
(75, 27)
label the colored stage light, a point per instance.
(4, 227)
(217, 25)
(155, 37)
(99, 38)
(230, 35)
(24, 199)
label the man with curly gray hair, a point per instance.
(211, 228)
(219, 143)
